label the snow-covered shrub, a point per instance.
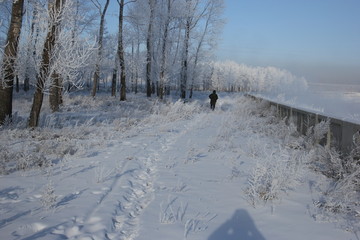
(31, 160)
(315, 134)
(48, 198)
(175, 111)
(4, 159)
(340, 202)
(11, 161)
(255, 147)
(102, 174)
(326, 161)
(275, 174)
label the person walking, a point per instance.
(213, 98)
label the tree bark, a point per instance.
(55, 97)
(10, 54)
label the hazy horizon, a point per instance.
(315, 40)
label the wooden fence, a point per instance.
(340, 133)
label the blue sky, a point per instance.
(317, 39)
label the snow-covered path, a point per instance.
(168, 178)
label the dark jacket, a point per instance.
(213, 97)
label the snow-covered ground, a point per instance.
(146, 170)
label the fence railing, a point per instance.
(340, 133)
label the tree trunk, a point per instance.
(163, 51)
(30, 50)
(148, 50)
(132, 77)
(10, 54)
(184, 63)
(121, 53)
(199, 46)
(55, 97)
(100, 46)
(45, 65)
(17, 84)
(137, 64)
(113, 82)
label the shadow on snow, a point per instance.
(239, 227)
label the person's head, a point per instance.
(214, 91)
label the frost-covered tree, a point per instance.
(149, 47)
(62, 56)
(120, 52)
(206, 37)
(164, 47)
(231, 76)
(55, 16)
(8, 60)
(177, 35)
(102, 12)
(137, 22)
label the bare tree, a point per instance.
(55, 97)
(10, 54)
(184, 61)
(164, 31)
(212, 23)
(120, 52)
(31, 48)
(149, 48)
(138, 21)
(164, 49)
(55, 16)
(100, 44)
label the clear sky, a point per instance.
(317, 39)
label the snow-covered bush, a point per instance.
(338, 197)
(315, 134)
(21, 159)
(102, 174)
(48, 198)
(326, 161)
(272, 176)
(175, 111)
(340, 202)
